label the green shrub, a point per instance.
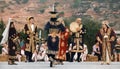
(25, 1)
(76, 3)
(43, 1)
(2, 27)
(92, 27)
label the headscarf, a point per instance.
(6, 32)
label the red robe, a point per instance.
(63, 43)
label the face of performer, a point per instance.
(79, 21)
(118, 41)
(104, 24)
(54, 33)
(31, 21)
(59, 20)
(67, 30)
(12, 25)
(53, 15)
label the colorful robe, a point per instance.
(107, 44)
(63, 45)
(52, 43)
(30, 37)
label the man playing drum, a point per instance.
(78, 32)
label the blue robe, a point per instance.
(53, 46)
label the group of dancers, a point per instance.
(57, 40)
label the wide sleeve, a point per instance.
(99, 36)
(113, 35)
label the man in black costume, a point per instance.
(78, 30)
(52, 29)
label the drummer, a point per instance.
(78, 31)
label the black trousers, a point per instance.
(99, 56)
(68, 56)
(72, 56)
(28, 56)
(51, 55)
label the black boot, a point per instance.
(13, 62)
(51, 63)
(9, 62)
(61, 62)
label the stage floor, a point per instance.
(67, 65)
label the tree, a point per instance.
(92, 28)
(2, 27)
(25, 1)
(22, 35)
(43, 1)
(69, 20)
(76, 3)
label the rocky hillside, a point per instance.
(93, 9)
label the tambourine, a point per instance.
(74, 26)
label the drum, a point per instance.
(73, 27)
